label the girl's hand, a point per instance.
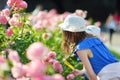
(77, 72)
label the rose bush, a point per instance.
(30, 45)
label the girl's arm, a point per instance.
(83, 54)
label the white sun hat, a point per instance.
(94, 30)
(73, 23)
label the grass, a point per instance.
(115, 53)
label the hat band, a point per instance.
(73, 29)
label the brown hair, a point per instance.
(72, 38)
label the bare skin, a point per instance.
(84, 54)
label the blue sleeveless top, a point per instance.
(101, 54)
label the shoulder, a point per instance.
(88, 42)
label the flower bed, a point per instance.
(30, 45)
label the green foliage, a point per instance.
(23, 36)
(26, 35)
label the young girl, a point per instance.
(95, 56)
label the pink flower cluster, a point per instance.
(70, 76)
(40, 56)
(81, 13)
(50, 58)
(15, 20)
(4, 16)
(36, 51)
(17, 4)
(9, 32)
(43, 19)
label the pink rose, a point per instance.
(16, 15)
(3, 20)
(70, 76)
(18, 71)
(57, 66)
(38, 25)
(10, 3)
(36, 51)
(13, 56)
(51, 55)
(41, 15)
(13, 21)
(2, 59)
(35, 68)
(6, 12)
(19, 24)
(9, 32)
(23, 4)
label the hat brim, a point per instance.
(64, 27)
(69, 28)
